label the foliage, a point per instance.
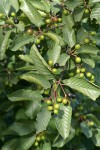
(49, 74)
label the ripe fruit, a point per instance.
(77, 46)
(54, 70)
(59, 19)
(16, 20)
(38, 41)
(13, 14)
(81, 75)
(64, 101)
(30, 31)
(77, 59)
(56, 106)
(50, 108)
(83, 70)
(55, 19)
(56, 65)
(50, 62)
(78, 70)
(36, 144)
(41, 37)
(59, 99)
(93, 33)
(48, 21)
(38, 138)
(86, 11)
(65, 12)
(88, 74)
(49, 102)
(55, 111)
(86, 40)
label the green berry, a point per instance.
(36, 144)
(55, 111)
(93, 33)
(13, 14)
(56, 106)
(30, 31)
(49, 102)
(65, 12)
(81, 75)
(77, 59)
(48, 21)
(50, 62)
(41, 37)
(46, 92)
(54, 70)
(92, 77)
(59, 19)
(92, 81)
(78, 70)
(1, 15)
(50, 108)
(59, 99)
(38, 41)
(86, 11)
(83, 70)
(76, 114)
(64, 101)
(88, 74)
(71, 74)
(38, 138)
(42, 137)
(91, 123)
(86, 40)
(94, 42)
(77, 46)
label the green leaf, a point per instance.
(78, 14)
(4, 39)
(69, 36)
(36, 78)
(68, 21)
(83, 86)
(42, 120)
(22, 128)
(95, 13)
(24, 95)
(40, 64)
(73, 3)
(83, 34)
(32, 109)
(31, 12)
(4, 7)
(46, 146)
(96, 137)
(14, 5)
(26, 58)
(20, 41)
(86, 129)
(63, 121)
(63, 59)
(41, 5)
(54, 53)
(88, 60)
(93, 1)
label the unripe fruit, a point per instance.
(30, 31)
(16, 21)
(56, 106)
(46, 92)
(36, 144)
(91, 123)
(49, 102)
(76, 114)
(56, 25)
(54, 70)
(59, 99)
(86, 40)
(71, 74)
(42, 137)
(38, 41)
(77, 46)
(60, 19)
(65, 12)
(83, 70)
(13, 14)
(92, 81)
(93, 33)
(1, 15)
(64, 101)
(88, 74)
(50, 62)
(50, 108)
(41, 37)
(77, 59)
(94, 42)
(48, 21)
(86, 11)
(55, 111)
(81, 75)
(92, 77)
(56, 65)
(38, 138)
(78, 70)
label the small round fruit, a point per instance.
(55, 19)
(70, 95)
(38, 41)
(59, 99)
(48, 21)
(64, 101)
(13, 14)
(56, 106)
(71, 74)
(81, 75)
(49, 102)
(78, 70)
(88, 74)
(16, 20)
(54, 70)
(91, 123)
(50, 108)
(83, 70)
(50, 62)
(36, 144)
(94, 42)
(77, 59)
(86, 40)
(65, 12)
(92, 77)
(55, 111)
(86, 11)
(30, 31)
(42, 137)
(56, 65)
(59, 19)
(38, 138)
(77, 46)
(41, 37)
(1, 15)
(92, 81)
(46, 92)
(93, 33)
(76, 114)
(56, 25)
